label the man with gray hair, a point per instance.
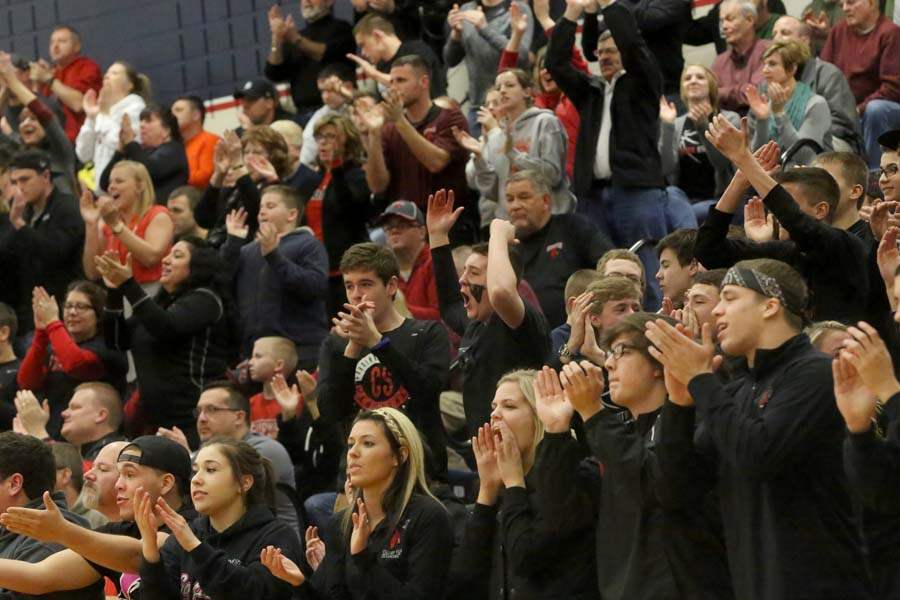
(826, 80)
(742, 63)
(551, 247)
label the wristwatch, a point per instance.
(564, 354)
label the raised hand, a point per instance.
(505, 230)
(727, 139)
(109, 211)
(778, 97)
(281, 566)
(32, 415)
(882, 215)
(590, 349)
(370, 70)
(234, 147)
(177, 524)
(583, 385)
(668, 307)
(392, 106)
(289, 398)
(475, 17)
(362, 528)
(236, 223)
(88, 207)
(277, 24)
(221, 161)
(147, 524)
(667, 111)
(758, 226)
(869, 356)
(855, 402)
(888, 258)
(262, 168)
(769, 157)
(373, 118)
(677, 352)
(576, 319)
(315, 548)
(759, 103)
(518, 19)
(509, 458)
(553, 407)
(90, 104)
(44, 307)
(175, 434)
(465, 139)
(485, 451)
(441, 216)
(113, 272)
(126, 133)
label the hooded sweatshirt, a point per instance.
(98, 138)
(539, 143)
(225, 566)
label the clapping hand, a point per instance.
(289, 398)
(667, 111)
(90, 104)
(867, 353)
(509, 458)
(678, 352)
(44, 307)
(236, 223)
(553, 408)
(147, 523)
(485, 451)
(113, 272)
(440, 216)
(759, 226)
(583, 386)
(856, 403)
(778, 97)
(262, 168)
(362, 528)
(281, 566)
(315, 548)
(883, 216)
(465, 139)
(87, 204)
(268, 238)
(727, 139)
(126, 133)
(759, 103)
(888, 257)
(32, 415)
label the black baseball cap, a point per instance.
(30, 159)
(890, 139)
(163, 454)
(402, 208)
(255, 89)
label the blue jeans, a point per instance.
(319, 508)
(679, 212)
(880, 116)
(474, 125)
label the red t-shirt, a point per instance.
(264, 415)
(420, 290)
(139, 226)
(82, 74)
(410, 180)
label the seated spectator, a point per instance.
(411, 150)
(407, 237)
(820, 16)
(742, 64)
(865, 46)
(281, 278)
(478, 32)
(384, 453)
(260, 104)
(803, 203)
(70, 481)
(271, 356)
(9, 366)
(500, 331)
(693, 166)
(677, 265)
(706, 29)
(826, 80)
(124, 92)
(338, 205)
(66, 353)
(161, 150)
(530, 138)
(380, 46)
(520, 463)
(182, 203)
(551, 247)
(92, 419)
(199, 144)
(100, 477)
(828, 337)
(375, 357)
(44, 234)
(336, 85)
(623, 263)
(888, 173)
(29, 462)
(701, 299)
(775, 455)
(69, 77)
(299, 174)
(179, 338)
(298, 56)
(789, 113)
(127, 222)
(40, 129)
(576, 300)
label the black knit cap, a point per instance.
(30, 159)
(890, 139)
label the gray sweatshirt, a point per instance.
(816, 126)
(826, 80)
(481, 49)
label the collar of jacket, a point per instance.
(770, 360)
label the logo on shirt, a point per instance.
(764, 398)
(394, 548)
(554, 249)
(376, 386)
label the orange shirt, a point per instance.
(139, 227)
(199, 150)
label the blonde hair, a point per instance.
(524, 379)
(712, 85)
(142, 176)
(793, 54)
(819, 329)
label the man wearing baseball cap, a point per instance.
(404, 227)
(888, 174)
(48, 232)
(259, 101)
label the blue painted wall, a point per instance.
(204, 47)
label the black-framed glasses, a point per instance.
(77, 306)
(888, 171)
(619, 350)
(212, 410)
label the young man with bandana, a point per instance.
(769, 441)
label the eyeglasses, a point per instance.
(212, 410)
(77, 306)
(619, 350)
(322, 137)
(888, 171)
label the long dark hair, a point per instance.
(96, 296)
(244, 459)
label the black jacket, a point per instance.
(633, 141)
(218, 202)
(225, 566)
(771, 442)
(537, 543)
(167, 165)
(833, 261)
(407, 562)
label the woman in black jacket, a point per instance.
(516, 543)
(395, 543)
(180, 339)
(338, 205)
(216, 557)
(160, 149)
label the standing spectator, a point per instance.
(380, 47)
(281, 278)
(182, 203)
(377, 358)
(297, 56)
(404, 227)
(865, 45)
(124, 92)
(617, 165)
(260, 104)
(45, 234)
(500, 331)
(336, 84)
(70, 76)
(411, 148)
(127, 222)
(65, 353)
(742, 63)
(180, 339)
(199, 144)
(161, 150)
(826, 80)
(402, 14)
(479, 30)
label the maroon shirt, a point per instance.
(871, 61)
(410, 179)
(82, 74)
(734, 71)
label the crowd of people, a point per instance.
(609, 326)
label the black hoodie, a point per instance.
(225, 566)
(771, 441)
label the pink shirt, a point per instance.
(734, 71)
